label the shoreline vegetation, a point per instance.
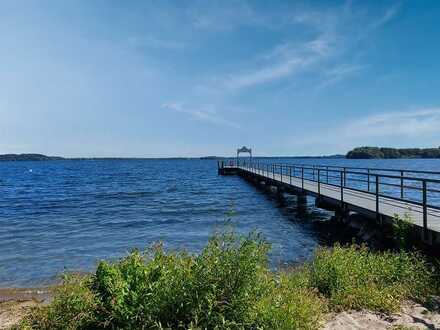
(40, 157)
(229, 285)
(356, 153)
(392, 153)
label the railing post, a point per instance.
(327, 174)
(345, 176)
(425, 211)
(273, 171)
(319, 182)
(342, 187)
(290, 174)
(368, 179)
(302, 178)
(401, 185)
(377, 197)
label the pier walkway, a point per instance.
(376, 193)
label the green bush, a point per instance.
(176, 290)
(289, 303)
(74, 307)
(356, 278)
(229, 286)
(144, 289)
(402, 231)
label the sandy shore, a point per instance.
(15, 302)
(411, 316)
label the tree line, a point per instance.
(387, 153)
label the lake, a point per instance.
(60, 216)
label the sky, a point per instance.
(102, 78)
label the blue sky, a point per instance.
(192, 78)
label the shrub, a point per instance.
(230, 276)
(289, 303)
(354, 277)
(229, 286)
(402, 230)
(144, 289)
(74, 307)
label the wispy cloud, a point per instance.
(420, 122)
(387, 16)
(339, 73)
(335, 32)
(399, 128)
(283, 61)
(206, 114)
(223, 16)
(153, 42)
(266, 74)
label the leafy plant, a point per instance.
(290, 303)
(74, 307)
(402, 229)
(354, 277)
(229, 286)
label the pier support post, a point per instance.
(280, 196)
(301, 203)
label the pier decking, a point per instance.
(377, 193)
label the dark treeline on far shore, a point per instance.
(388, 153)
(40, 157)
(16, 157)
(356, 153)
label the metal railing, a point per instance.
(415, 187)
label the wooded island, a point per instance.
(388, 153)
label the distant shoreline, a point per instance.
(393, 153)
(357, 153)
(40, 157)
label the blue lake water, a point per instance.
(66, 215)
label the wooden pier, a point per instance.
(380, 194)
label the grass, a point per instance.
(402, 231)
(354, 277)
(230, 286)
